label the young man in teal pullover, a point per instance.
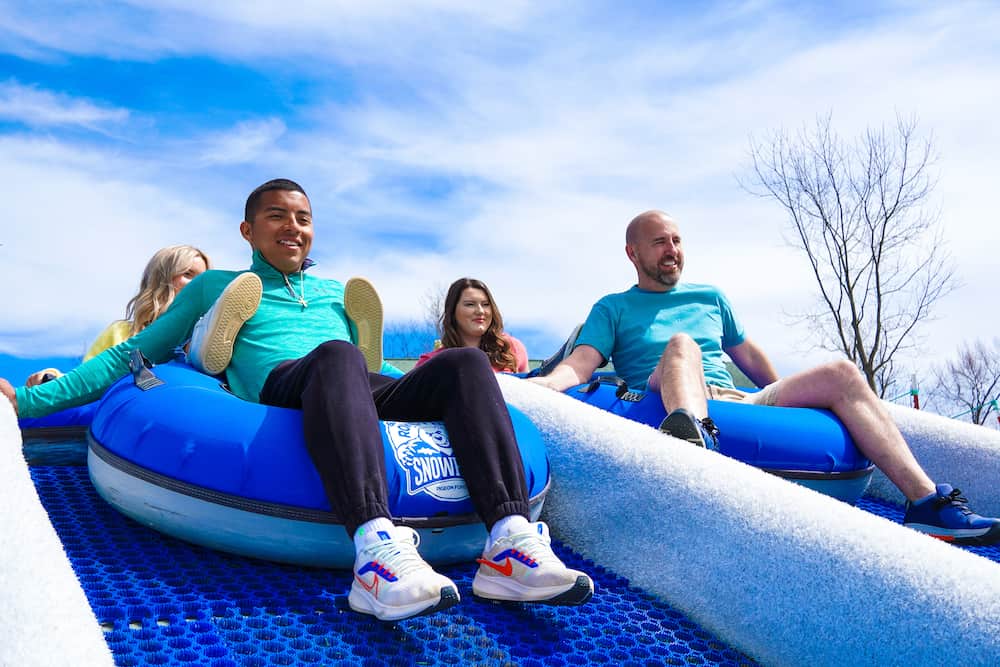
(297, 350)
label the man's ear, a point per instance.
(246, 230)
(629, 253)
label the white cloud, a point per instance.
(42, 108)
(352, 32)
(244, 143)
(551, 140)
(575, 154)
(77, 235)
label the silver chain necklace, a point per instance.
(301, 296)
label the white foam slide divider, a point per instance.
(964, 455)
(787, 575)
(48, 619)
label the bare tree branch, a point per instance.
(857, 210)
(432, 302)
(969, 384)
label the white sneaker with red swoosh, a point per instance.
(392, 581)
(521, 567)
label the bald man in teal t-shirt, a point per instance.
(633, 327)
(670, 337)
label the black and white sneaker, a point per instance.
(681, 424)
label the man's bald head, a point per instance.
(632, 232)
(653, 245)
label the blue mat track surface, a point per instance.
(165, 602)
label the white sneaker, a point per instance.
(363, 306)
(392, 581)
(522, 568)
(213, 335)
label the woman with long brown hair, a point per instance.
(470, 318)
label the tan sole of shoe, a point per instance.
(240, 301)
(364, 307)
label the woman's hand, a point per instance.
(7, 390)
(42, 376)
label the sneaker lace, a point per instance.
(710, 427)
(398, 555)
(534, 546)
(955, 499)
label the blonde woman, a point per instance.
(166, 273)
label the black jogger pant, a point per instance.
(341, 404)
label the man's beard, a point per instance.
(654, 273)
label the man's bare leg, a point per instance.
(839, 387)
(679, 377)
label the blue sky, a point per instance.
(439, 139)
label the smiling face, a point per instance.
(473, 315)
(196, 267)
(654, 246)
(281, 229)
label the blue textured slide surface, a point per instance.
(165, 602)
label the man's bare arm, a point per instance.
(573, 370)
(751, 359)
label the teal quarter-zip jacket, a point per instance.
(282, 328)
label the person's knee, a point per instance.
(462, 357)
(338, 352)
(681, 345)
(459, 363)
(681, 340)
(843, 374)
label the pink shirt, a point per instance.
(516, 347)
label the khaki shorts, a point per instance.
(766, 396)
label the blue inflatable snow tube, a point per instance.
(68, 422)
(804, 445)
(194, 461)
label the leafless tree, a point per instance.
(858, 211)
(433, 303)
(971, 381)
(407, 339)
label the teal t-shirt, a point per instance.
(281, 329)
(632, 328)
